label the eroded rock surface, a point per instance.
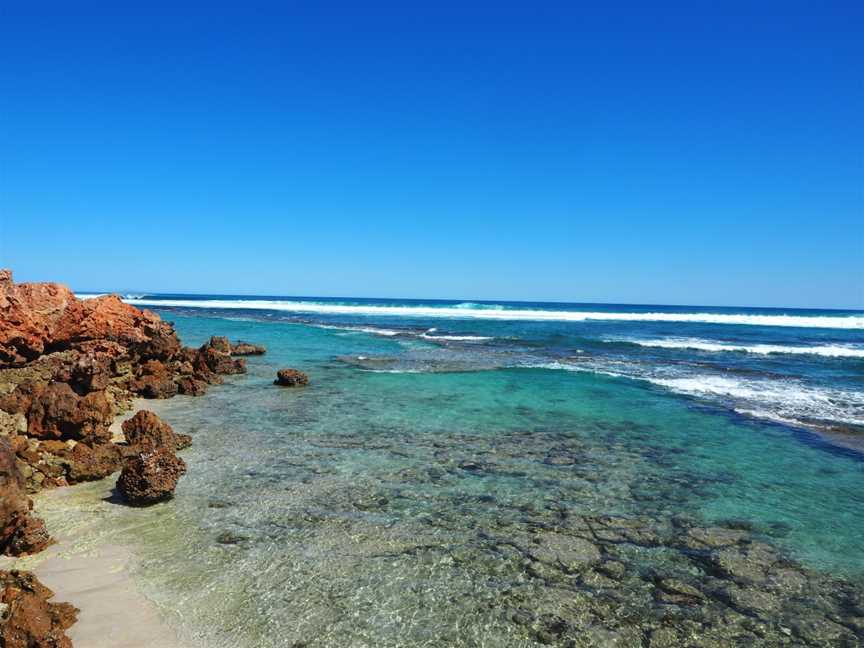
(291, 378)
(150, 477)
(28, 619)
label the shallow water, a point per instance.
(393, 508)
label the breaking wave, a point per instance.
(828, 351)
(469, 310)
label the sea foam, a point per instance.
(829, 350)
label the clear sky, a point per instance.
(678, 152)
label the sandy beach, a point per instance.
(84, 567)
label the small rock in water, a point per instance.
(291, 378)
(150, 477)
(229, 538)
(241, 348)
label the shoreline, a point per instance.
(95, 576)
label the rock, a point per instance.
(291, 378)
(30, 620)
(214, 359)
(241, 348)
(150, 477)
(146, 431)
(89, 463)
(220, 344)
(190, 386)
(568, 552)
(55, 411)
(107, 318)
(12, 424)
(29, 313)
(20, 531)
(672, 590)
(155, 380)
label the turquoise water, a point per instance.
(385, 503)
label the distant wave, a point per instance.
(469, 310)
(830, 350)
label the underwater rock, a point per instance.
(150, 477)
(291, 378)
(29, 619)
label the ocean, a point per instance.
(382, 504)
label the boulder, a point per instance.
(107, 318)
(150, 477)
(291, 378)
(29, 619)
(213, 359)
(146, 431)
(241, 348)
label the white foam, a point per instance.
(830, 350)
(491, 312)
(360, 329)
(789, 401)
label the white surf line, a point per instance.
(805, 321)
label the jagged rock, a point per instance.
(20, 531)
(155, 380)
(108, 318)
(146, 431)
(291, 378)
(150, 477)
(241, 348)
(12, 424)
(29, 313)
(89, 463)
(190, 386)
(30, 620)
(215, 356)
(55, 411)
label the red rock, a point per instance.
(89, 463)
(291, 378)
(191, 386)
(20, 531)
(146, 431)
(241, 348)
(55, 411)
(150, 477)
(30, 620)
(29, 314)
(155, 380)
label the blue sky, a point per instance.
(692, 152)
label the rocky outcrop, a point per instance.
(54, 411)
(27, 618)
(28, 317)
(20, 531)
(241, 348)
(150, 477)
(67, 368)
(146, 431)
(291, 378)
